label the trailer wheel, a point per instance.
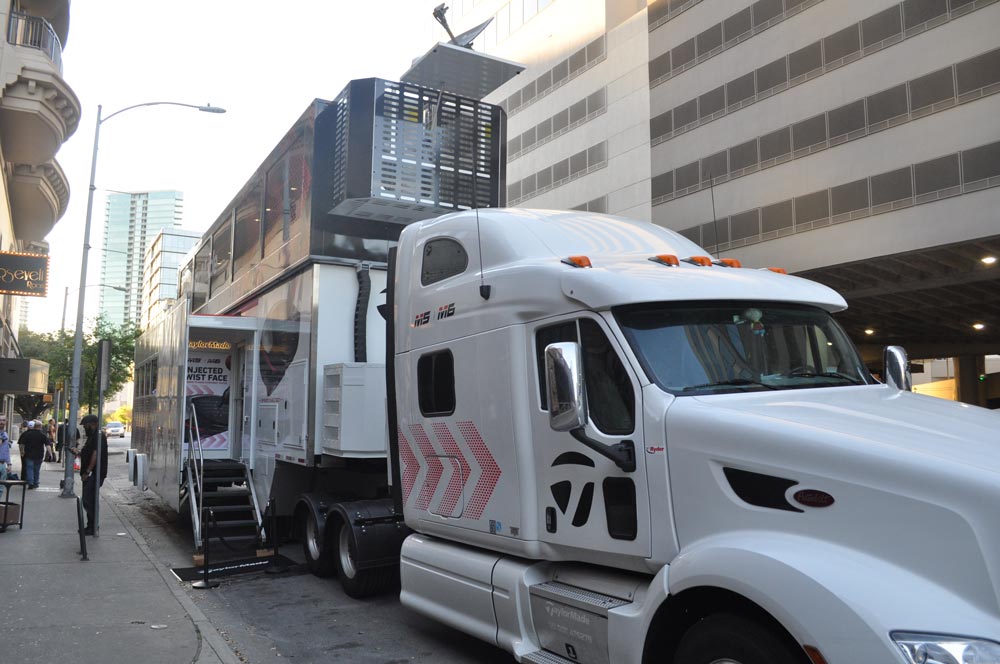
(357, 583)
(319, 558)
(725, 638)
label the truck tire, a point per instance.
(726, 638)
(318, 554)
(357, 583)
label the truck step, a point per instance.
(242, 507)
(545, 657)
(234, 523)
(223, 479)
(587, 600)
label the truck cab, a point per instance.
(615, 448)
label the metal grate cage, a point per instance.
(402, 152)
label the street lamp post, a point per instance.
(74, 394)
(62, 328)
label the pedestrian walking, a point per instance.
(4, 451)
(61, 439)
(88, 462)
(33, 442)
(50, 445)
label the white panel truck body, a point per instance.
(733, 486)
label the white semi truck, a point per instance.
(578, 437)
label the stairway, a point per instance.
(227, 515)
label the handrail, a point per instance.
(35, 32)
(198, 466)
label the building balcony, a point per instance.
(38, 110)
(38, 199)
(56, 12)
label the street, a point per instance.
(295, 614)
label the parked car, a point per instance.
(114, 429)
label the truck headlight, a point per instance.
(943, 649)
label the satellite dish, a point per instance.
(466, 38)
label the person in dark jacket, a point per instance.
(88, 466)
(34, 442)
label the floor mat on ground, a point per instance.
(229, 568)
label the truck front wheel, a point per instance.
(319, 558)
(726, 638)
(357, 583)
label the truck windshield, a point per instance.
(709, 348)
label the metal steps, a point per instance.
(223, 507)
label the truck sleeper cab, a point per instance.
(612, 450)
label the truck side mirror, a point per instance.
(564, 386)
(897, 369)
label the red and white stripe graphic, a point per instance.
(216, 442)
(411, 468)
(489, 475)
(459, 472)
(195, 388)
(434, 467)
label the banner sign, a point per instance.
(207, 392)
(24, 274)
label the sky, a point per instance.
(261, 61)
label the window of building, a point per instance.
(765, 10)
(981, 163)
(543, 130)
(578, 163)
(560, 120)
(743, 155)
(683, 54)
(528, 138)
(712, 102)
(686, 113)
(578, 61)
(436, 384)
(847, 118)
(776, 217)
(714, 166)
(978, 72)
(663, 184)
(514, 191)
(745, 225)
(736, 25)
(739, 89)
(849, 197)
(771, 75)
(932, 88)
(916, 12)
(887, 105)
(812, 207)
(514, 145)
(659, 66)
(528, 185)
(543, 178)
(597, 101)
(809, 132)
(560, 170)
(686, 176)
(578, 111)
(595, 49)
(936, 174)
(715, 232)
(597, 154)
(805, 60)
(842, 44)
(881, 26)
(246, 251)
(776, 144)
(709, 39)
(892, 186)
(661, 125)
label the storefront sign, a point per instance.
(24, 274)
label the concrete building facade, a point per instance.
(132, 220)
(38, 112)
(854, 142)
(159, 274)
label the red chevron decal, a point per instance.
(434, 467)
(489, 476)
(459, 473)
(410, 466)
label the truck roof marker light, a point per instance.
(779, 270)
(666, 259)
(729, 262)
(704, 261)
(577, 261)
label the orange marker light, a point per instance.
(666, 259)
(779, 270)
(577, 261)
(815, 656)
(731, 262)
(704, 261)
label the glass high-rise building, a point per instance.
(132, 220)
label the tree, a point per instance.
(123, 415)
(56, 348)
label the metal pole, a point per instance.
(74, 385)
(62, 328)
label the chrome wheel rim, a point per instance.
(312, 538)
(344, 550)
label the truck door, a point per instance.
(586, 501)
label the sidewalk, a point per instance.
(120, 606)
